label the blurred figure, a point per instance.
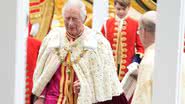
(40, 17)
(143, 92)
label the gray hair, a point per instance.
(76, 3)
(148, 21)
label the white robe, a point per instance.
(96, 70)
(143, 92)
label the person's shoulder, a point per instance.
(98, 36)
(55, 32)
(58, 29)
(110, 20)
(101, 39)
(53, 35)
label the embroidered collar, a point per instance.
(121, 21)
(87, 40)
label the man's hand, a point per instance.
(39, 101)
(76, 87)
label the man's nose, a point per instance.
(71, 21)
(122, 11)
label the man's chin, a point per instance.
(71, 32)
(121, 17)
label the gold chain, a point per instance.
(70, 63)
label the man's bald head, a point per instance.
(148, 21)
(147, 26)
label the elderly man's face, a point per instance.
(73, 21)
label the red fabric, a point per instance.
(34, 4)
(33, 46)
(35, 11)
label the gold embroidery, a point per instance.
(43, 17)
(124, 39)
(124, 61)
(124, 44)
(124, 56)
(116, 28)
(124, 50)
(70, 76)
(123, 33)
(115, 34)
(115, 40)
(120, 49)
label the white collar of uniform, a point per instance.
(121, 20)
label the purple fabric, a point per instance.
(52, 88)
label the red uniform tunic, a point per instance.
(125, 44)
(33, 46)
